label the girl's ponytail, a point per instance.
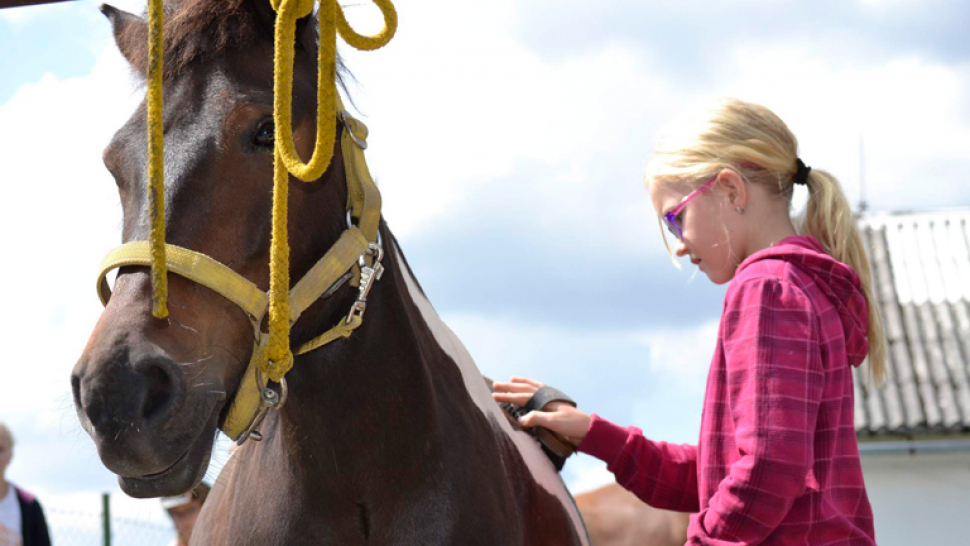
(829, 218)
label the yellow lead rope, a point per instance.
(156, 165)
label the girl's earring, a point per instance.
(740, 210)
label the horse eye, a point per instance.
(265, 134)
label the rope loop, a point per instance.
(369, 43)
(285, 37)
(331, 18)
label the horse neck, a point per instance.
(358, 401)
(395, 421)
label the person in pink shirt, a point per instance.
(777, 460)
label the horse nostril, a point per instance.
(76, 389)
(164, 392)
(159, 392)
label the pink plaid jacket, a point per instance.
(777, 461)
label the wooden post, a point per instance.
(106, 519)
(21, 3)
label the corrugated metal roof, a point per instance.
(921, 270)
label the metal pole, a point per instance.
(106, 519)
(863, 205)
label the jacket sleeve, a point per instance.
(662, 475)
(775, 383)
(33, 523)
(41, 533)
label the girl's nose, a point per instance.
(681, 249)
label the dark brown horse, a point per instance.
(389, 436)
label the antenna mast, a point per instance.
(863, 205)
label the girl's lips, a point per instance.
(695, 261)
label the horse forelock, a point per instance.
(199, 30)
(193, 29)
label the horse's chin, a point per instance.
(187, 471)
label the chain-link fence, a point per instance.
(70, 527)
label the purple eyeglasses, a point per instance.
(670, 218)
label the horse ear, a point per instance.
(130, 32)
(265, 15)
(306, 31)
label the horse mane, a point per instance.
(201, 29)
(193, 30)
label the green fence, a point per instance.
(96, 527)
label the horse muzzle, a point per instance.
(148, 427)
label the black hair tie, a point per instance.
(801, 172)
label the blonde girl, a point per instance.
(777, 460)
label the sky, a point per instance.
(509, 140)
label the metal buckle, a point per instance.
(269, 399)
(345, 118)
(369, 274)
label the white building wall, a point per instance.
(919, 499)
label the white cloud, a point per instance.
(679, 364)
(59, 215)
(78, 13)
(910, 112)
(684, 353)
(21, 16)
(476, 103)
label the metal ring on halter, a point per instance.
(374, 249)
(344, 117)
(269, 399)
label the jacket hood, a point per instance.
(836, 280)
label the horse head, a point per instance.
(152, 392)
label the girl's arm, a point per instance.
(661, 474)
(774, 383)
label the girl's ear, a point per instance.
(734, 187)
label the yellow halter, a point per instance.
(358, 249)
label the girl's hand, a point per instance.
(558, 417)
